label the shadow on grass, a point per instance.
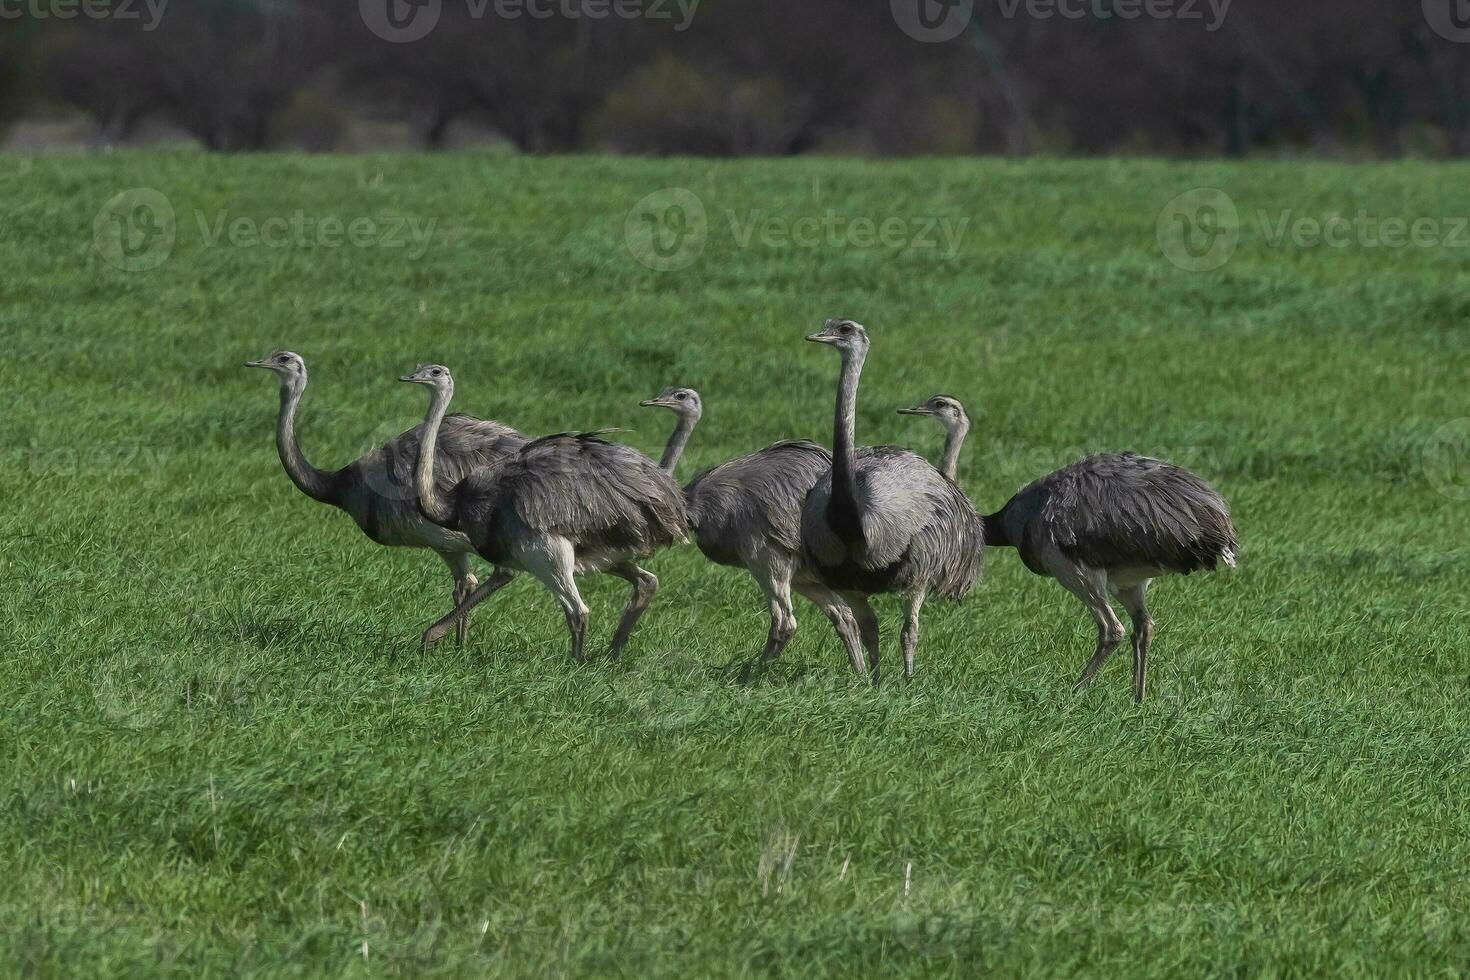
(752, 672)
(270, 632)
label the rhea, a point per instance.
(746, 513)
(557, 507)
(1106, 526)
(883, 520)
(377, 490)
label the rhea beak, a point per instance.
(409, 378)
(915, 411)
(259, 364)
(820, 338)
(650, 403)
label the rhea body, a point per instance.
(883, 520)
(559, 506)
(377, 490)
(746, 513)
(1105, 527)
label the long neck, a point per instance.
(678, 439)
(308, 479)
(431, 503)
(953, 441)
(842, 507)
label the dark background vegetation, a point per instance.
(770, 77)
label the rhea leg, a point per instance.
(774, 579)
(838, 613)
(645, 584)
(464, 583)
(554, 562)
(1134, 599)
(500, 578)
(910, 638)
(867, 624)
(1091, 586)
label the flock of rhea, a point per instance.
(836, 527)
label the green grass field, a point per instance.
(225, 753)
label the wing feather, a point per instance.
(1112, 510)
(601, 495)
(465, 444)
(754, 502)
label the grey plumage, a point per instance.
(746, 513)
(607, 498)
(1105, 527)
(751, 503)
(883, 519)
(1120, 509)
(557, 507)
(377, 490)
(918, 529)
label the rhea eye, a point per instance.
(436, 372)
(846, 329)
(681, 396)
(284, 359)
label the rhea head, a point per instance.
(683, 402)
(848, 336)
(945, 409)
(288, 365)
(435, 376)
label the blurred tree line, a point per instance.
(772, 77)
